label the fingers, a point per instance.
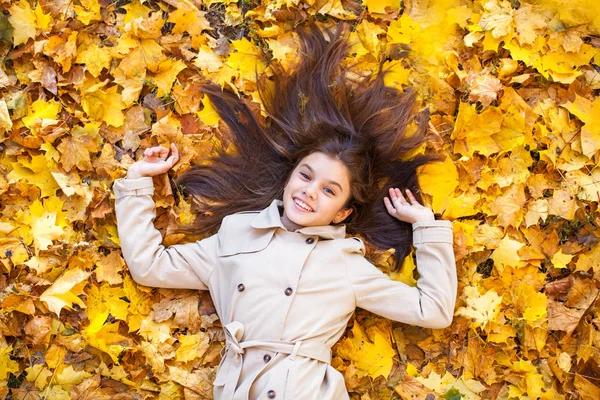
(162, 153)
(157, 151)
(397, 199)
(412, 198)
(174, 155)
(389, 207)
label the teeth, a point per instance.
(303, 205)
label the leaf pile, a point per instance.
(512, 87)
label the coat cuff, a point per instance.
(432, 232)
(133, 187)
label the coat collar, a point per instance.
(270, 218)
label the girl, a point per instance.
(283, 277)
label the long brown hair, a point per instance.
(320, 106)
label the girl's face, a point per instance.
(317, 191)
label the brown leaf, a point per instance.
(38, 328)
(183, 306)
(49, 80)
(563, 318)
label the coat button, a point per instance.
(310, 241)
(266, 358)
(288, 291)
(241, 287)
(271, 394)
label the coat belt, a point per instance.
(231, 367)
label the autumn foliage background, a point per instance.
(512, 88)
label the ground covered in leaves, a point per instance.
(512, 87)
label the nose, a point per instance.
(309, 191)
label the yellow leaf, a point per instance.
(411, 370)
(6, 364)
(23, 20)
(247, 59)
(108, 268)
(562, 204)
(371, 357)
(532, 303)
(208, 114)
(46, 221)
(589, 113)
(405, 274)
(498, 19)
(560, 260)
(403, 30)
(474, 132)
(135, 10)
(64, 291)
(43, 21)
(5, 121)
(439, 180)
(379, 6)
(498, 333)
(155, 331)
(480, 309)
(41, 109)
(104, 105)
(68, 376)
(103, 299)
(76, 149)
(62, 48)
(433, 382)
(95, 58)
(368, 34)
(39, 374)
(208, 60)
(167, 72)
(506, 255)
(396, 75)
(36, 172)
(192, 346)
(190, 20)
(564, 362)
(88, 11)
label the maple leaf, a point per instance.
(371, 354)
(7, 365)
(166, 74)
(64, 291)
(481, 309)
(76, 149)
(589, 113)
(103, 105)
(95, 58)
(41, 110)
(38, 374)
(439, 180)
(381, 6)
(47, 221)
(192, 346)
(23, 20)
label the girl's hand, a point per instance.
(155, 162)
(401, 209)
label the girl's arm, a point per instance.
(431, 303)
(186, 266)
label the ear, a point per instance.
(342, 215)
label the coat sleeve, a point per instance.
(431, 303)
(184, 266)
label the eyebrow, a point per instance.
(329, 181)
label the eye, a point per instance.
(305, 176)
(329, 191)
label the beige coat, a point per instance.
(284, 297)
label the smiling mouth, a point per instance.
(303, 205)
